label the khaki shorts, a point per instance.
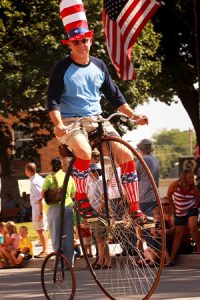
(86, 125)
(99, 230)
(39, 225)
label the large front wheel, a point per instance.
(133, 253)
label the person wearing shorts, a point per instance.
(184, 199)
(39, 219)
(76, 86)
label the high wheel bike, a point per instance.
(130, 274)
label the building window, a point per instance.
(20, 137)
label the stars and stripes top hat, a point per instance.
(74, 20)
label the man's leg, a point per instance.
(130, 183)
(80, 173)
(43, 239)
(82, 150)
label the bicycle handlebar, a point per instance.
(102, 120)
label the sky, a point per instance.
(161, 116)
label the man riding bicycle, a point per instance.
(75, 88)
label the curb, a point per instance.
(183, 260)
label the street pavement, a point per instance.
(179, 282)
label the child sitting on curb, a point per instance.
(25, 251)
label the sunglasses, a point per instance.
(82, 41)
(165, 204)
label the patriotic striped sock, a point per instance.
(130, 184)
(80, 172)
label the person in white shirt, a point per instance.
(38, 217)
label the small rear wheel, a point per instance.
(57, 277)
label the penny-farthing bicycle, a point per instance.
(129, 275)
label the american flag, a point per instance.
(123, 20)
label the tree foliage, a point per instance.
(169, 146)
(30, 34)
(178, 56)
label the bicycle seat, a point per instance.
(92, 135)
(64, 151)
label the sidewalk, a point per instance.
(37, 262)
(183, 261)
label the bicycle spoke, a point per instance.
(134, 270)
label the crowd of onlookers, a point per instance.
(180, 207)
(23, 204)
(15, 245)
(182, 235)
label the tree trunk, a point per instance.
(190, 101)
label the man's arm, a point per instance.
(55, 117)
(41, 214)
(127, 110)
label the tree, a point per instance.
(169, 146)
(28, 43)
(30, 34)
(178, 58)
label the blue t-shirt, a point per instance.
(76, 90)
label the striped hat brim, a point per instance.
(89, 34)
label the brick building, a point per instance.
(9, 180)
(45, 154)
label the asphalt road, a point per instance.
(176, 283)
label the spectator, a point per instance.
(87, 237)
(169, 227)
(77, 247)
(6, 240)
(95, 194)
(147, 196)
(147, 199)
(151, 253)
(25, 250)
(187, 245)
(76, 86)
(14, 240)
(36, 199)
(53, 210)
(25, 206)
(9, 202)
(184, 199)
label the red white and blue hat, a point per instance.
(74, 20)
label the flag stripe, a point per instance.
(142, 24)
(122, 32)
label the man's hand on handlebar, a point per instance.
(60, 130)
(140, 120)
